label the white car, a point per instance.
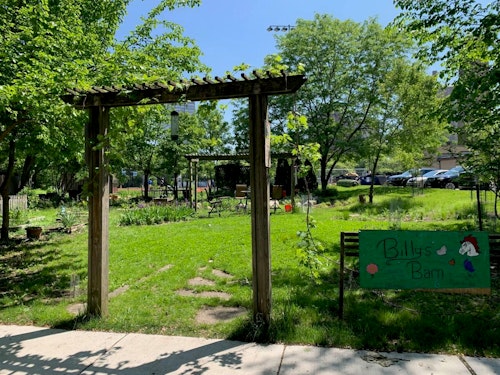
(419, 181)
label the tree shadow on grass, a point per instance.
(294, 296)
(403, 203)
(424, 322)
(390, 320)
(34, 271)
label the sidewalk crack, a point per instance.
(104, 353)
(281, 359)
(466, 364)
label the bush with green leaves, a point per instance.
(347, 183)
(67, 217)
(328, 195)
(18, 217)
(72, 215)
(155, 214)
(32, 196)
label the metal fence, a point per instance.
(16, 202)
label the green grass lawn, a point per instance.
(152, 263)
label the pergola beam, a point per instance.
(284, 155)
(155, 94)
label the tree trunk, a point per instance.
(176, 187)
(372, 183)
(495, 190)
(146, 185)
(496, 206)
(29, 161)
(4, 192)
(324, 179)
(5, 217)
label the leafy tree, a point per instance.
(191, 139)
(240, 120)
(310, 250)
(464, 36)
(448, 30)
(146, 145)
(404, 118)
(345, 62)
(217, 136)
(140, 150)
(44, 46)
(48, 45)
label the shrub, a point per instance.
(18, 217)
(68, 218)
(329, 192)
(347, 183)
(328, 195)
(151, 214)
(32, 196)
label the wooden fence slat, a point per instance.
(16, 202)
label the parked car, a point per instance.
(347, 176)
(447, 180)
(468, 181)
(419, 181)
(380, 179)
(402, 179)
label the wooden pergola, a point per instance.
(99, 100)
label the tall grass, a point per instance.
(155, 214)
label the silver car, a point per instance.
(419, 181)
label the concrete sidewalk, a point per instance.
(33, 350)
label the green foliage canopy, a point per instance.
(346, 64)
(47, 46)
(464, 36)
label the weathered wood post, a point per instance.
(196, 184)
(190, 184)
(260, 162)
(292, 183)
(98, 189)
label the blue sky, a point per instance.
(232, 32)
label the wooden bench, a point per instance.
(349, 247)
(494, 240)
(217, 205)
(163, 201)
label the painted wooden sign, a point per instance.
(424, 260)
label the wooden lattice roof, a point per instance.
(233, 156)
(227, 87)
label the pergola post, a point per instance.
(260, 162)
(292, 183)
(195, 192)
(98, 189)
(190, 184)
(196, 184)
